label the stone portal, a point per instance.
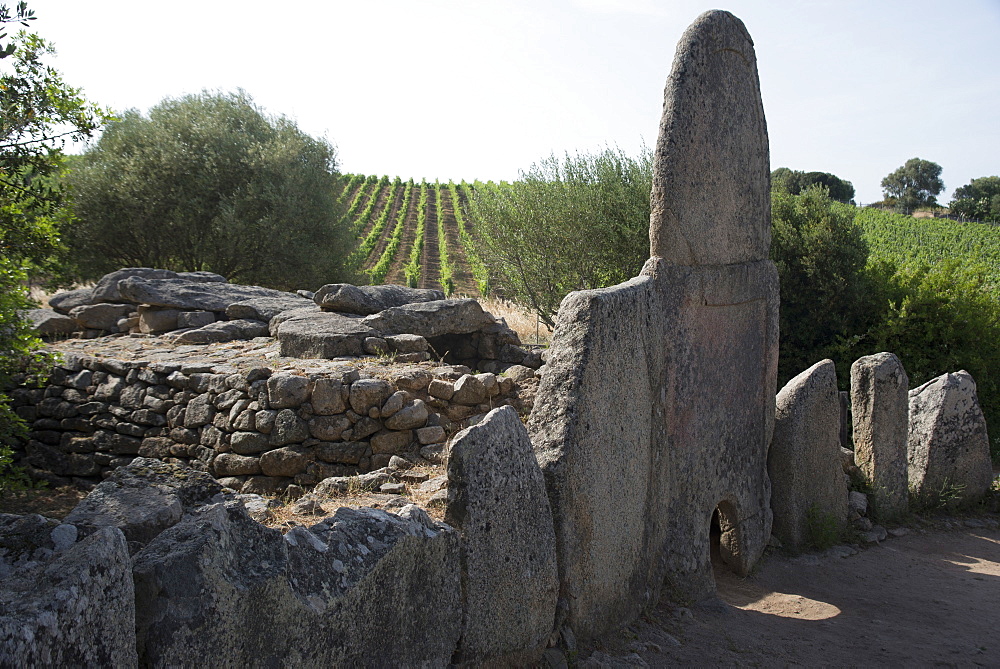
(658, 404)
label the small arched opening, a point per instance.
(724, 538)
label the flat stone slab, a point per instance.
(189, 295)
(804, 460)
(222, 331)
(64, 301)
(367, 300)
(432, 319)
(948, 449)
(497, 500)
(311, 333)
(266, 308)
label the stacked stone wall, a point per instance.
(257, 430)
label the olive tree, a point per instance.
(571, 223)
(210, 182)
(916, 184)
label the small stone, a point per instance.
(430, 435)
(393, 488)
(435, 453)
(441, 388)
(396, 462)
(469, 391)
(434, 484)
(394, 403)
(413, 415)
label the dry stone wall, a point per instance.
(256, 430)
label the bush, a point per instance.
(571, 224)
(208, 182)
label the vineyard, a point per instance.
(905, 240)
(414, 234)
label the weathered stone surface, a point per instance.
(497, 500)
(143, 498)
(328, 428)
(656, 409)
(287, 461)
(879, 408)
(47, 322)
(407, 343)
(75, 610)
(431, 319)
(231, 464)
(469, 390)
(711, 189)
(154, 320)
(352, 590)
(288, 429)
(287, 390)
(948, 449)
(390, 442)
(349, 453)
(195, 319)
(107, 290)
(65, 301)
(368, 393)
(412, 415)
(326, 398)
(310, 333)
(431, 434)
(366, 300)
(266, 308)
(104, 316)
(221, 331)
(188, 295)
(441, 388)
(804, 459)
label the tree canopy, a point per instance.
(979, 199)
(916, 184)
(210, 182)
(795, 182)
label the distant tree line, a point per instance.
(794, 182)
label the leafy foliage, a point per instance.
(915, 184)
(794, 182)
(827, 298)
(412, 269)
(209, 182)
(39, 112)
(567, 224)
(979, 200)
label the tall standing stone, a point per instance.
(879, 406)
(497, 500)
(657, 406)
(948, 449)
(804, 460)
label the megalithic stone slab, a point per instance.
(497, 501)
(948, 449)
(804, 459)
(656, 410)
(880, 407)
(711, 186)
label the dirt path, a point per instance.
(461, 275)
(930, 598)
(380, 204)
(383, 241)
(430, 257)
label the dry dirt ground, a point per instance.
(930, 598)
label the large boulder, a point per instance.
(65, 301)
(311, 333)
(879, 410)
(49, 323)
(361, 588)
(187, 295)
(144, 498)
(804, 461)
(102, 316)
(948, 449)
(222, 331)
(497, 500)
(266, 308)
(106, 289)
(366, 300)
(74, 607)
(431, 319)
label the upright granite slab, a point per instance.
(879, 406)
(497, 501)
(657, 406)
(804, 464)
(948, 449)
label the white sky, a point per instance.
(481, 90)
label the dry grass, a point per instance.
(285, 518)
(51, 503)
(526, 324)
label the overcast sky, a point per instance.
(446, 89)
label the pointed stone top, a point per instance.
(711, 181)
